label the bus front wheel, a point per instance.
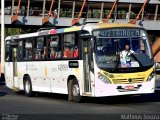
(28, 87)
(74, 91)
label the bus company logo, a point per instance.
(129, 80)
(63, 67)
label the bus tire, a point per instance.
(28, 87)
(74, 91)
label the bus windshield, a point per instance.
(122, 49)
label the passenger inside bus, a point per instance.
(68, 53)
(52, 53)
(40, 54)
(75, 52)
(44, 52)
(36, 56)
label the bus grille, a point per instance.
(128, 81)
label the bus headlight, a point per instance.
(151, 76)
(103, 78)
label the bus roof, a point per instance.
(89, 27)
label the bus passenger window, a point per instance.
(20, 50)
(39, 54)
(28, 50)
(54, 49)
(8, 55)
(70, 46)
(40, 49)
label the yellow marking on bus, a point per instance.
(76, 70)
(119, 78)
(110, 25)
(19, 74)
(46, 71)
(74, 28)
(85, 49)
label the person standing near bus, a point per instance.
(55, 15)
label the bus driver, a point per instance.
(125, 56)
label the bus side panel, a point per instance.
(23, 69)
(38, 76)
(55, 76)
(48, 76)
(78, 72)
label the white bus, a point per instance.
(81, 61)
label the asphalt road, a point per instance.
(45, 104)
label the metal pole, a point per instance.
(28, 7)
(2, 36)
(59, 7)
(73, 9)
(101, 15)
(155, 18)
(12, 7)
(115, 12)
(44, 3)
(129, 11)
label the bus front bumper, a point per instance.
(103, 89)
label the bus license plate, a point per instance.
(131, 87)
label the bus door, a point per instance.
(15, 71)
(8, 65)
(87, 79)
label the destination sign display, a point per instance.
(119, 33)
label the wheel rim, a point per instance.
(27, 86)
(76, 90)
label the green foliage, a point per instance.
(16, 31)
(11, 31)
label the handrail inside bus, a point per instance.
(14, 18)
(109, 16)
(135, 20)
(76, 20)
(46, 19)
